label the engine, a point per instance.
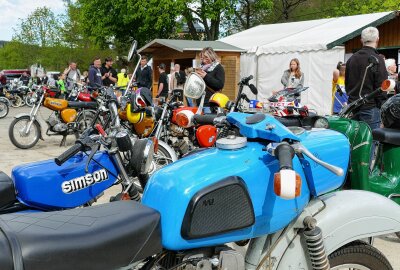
(56, 125)
(221, 257)
(178, 131)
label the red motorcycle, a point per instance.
(175, 126)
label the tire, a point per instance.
(16, 136)
(4, 109)
(84, 120)
(16, 102)
(29, 99)
(358, 255)
(161, 159)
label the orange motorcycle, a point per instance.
(68, 117)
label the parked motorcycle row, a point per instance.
(194, 184)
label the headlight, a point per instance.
(321, 122)
(142, 155)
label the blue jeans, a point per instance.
(373, 118)
(370, 116)
(206, 110)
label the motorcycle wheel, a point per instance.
(3, 109)
(30, 99)
(16, 102)
(21, 140)
(161, 159)
(358, 255)
(84, 120)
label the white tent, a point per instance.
(315, 43)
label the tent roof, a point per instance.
(188, 45)
(306, 35)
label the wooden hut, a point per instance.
(183, 52)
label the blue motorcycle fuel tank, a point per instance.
(218, 196)
(47, 186)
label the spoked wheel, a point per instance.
(358, 255)
(18, 135)
(16, 102)
(30, 99)
(161, 159)
(3, 109)
(84, 120)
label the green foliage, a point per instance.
(19, 55)
(354, 7)
(247, 14)
(40, 28)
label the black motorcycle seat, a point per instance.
(107, 236)
(387, 135)
(80, 104)
(7, 191)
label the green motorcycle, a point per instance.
(381, 175)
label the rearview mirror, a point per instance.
(194, 86)
(132, 50)
(372, 59)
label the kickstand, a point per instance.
(64, 138)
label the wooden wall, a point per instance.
(389, 36)
(229, 60)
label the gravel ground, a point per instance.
(11, 156)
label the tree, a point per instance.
(118, 22)
(354, 7)
(247, 14)
(41, 28)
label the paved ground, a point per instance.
(11, 156)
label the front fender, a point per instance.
(343, 216)
(354, 214)
(171, 151)
(21, 115)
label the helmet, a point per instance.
(390, 112)
(134, 117)
(219, 100)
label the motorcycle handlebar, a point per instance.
(285, 153)
(207, 119)
(68, 154)
(246, 80)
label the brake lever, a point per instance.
(93, 149)
(300, 149)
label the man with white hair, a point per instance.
(355, 68)
(391, 68)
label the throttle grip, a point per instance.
(68, 154)
(207, 119)
(285, 153)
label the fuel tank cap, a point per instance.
(231, 142)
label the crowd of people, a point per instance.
(346, 79)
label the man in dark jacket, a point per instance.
(355, 68)
(108, 74)
(144, 74)
(162, 82)
(95, 74)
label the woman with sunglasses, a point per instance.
(212, 73)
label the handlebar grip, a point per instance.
(207, 119)
(285, 153)
(68, 154)
(253, 89)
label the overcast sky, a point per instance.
(11, 10)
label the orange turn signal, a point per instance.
(287, 184)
